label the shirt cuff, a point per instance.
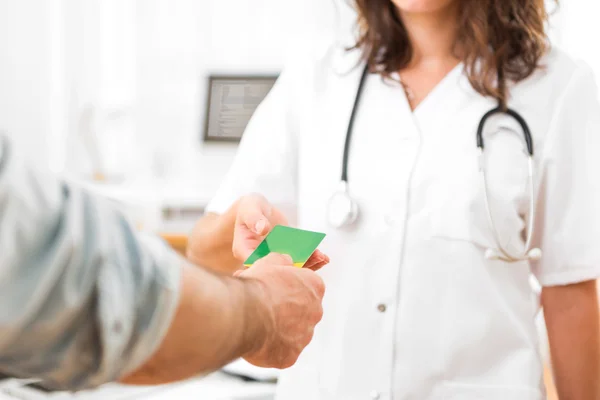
(569, 276)
(169, 265)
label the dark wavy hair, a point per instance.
(498, 38)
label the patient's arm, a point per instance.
(85, 299)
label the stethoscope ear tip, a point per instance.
(490, 254)
(534, 254)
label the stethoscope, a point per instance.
(343, 210)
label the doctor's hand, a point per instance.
(289, 305)
(255, 218)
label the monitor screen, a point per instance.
(231, 102)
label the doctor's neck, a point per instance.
(432, 34)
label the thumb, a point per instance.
(255, 214)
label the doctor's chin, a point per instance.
(299, 200)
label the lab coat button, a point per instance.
(382, 308)
(375, 395)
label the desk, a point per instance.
(176, 241)
(216, 386)
(152, 205)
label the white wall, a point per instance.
(63, 58)
(26, 75)
(580, 30)
(59, 59)
(99, 62)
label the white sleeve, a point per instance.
(568, 213)
(266, 161)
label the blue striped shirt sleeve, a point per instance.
(84, 298)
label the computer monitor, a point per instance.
(231, 101)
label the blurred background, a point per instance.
(114, 94)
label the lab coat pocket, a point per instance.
(460, 391)
(460, 213)
(488, 305)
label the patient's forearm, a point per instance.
(211, 241)
(218, 320)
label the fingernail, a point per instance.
(288, 258)
(260, 226)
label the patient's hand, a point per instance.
(255, 218)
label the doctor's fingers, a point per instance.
(317, 266)
(255, 213)
(317, 261)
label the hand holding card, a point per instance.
(297, 243)
(255, 219)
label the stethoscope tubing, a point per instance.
(501, 253)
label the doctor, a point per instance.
(429, 293)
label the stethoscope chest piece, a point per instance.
(342, 210)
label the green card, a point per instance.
(297, 243)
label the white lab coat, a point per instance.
(413, 310)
